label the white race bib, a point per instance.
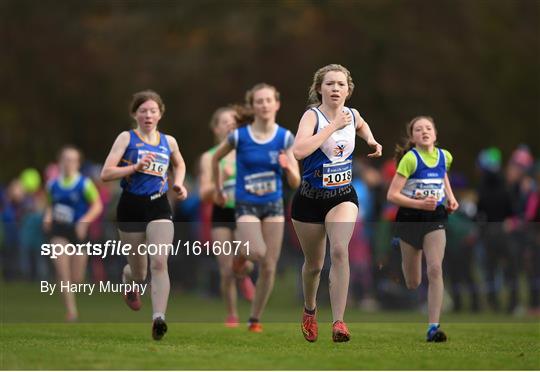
(424, 190)
(261, 183)
(63, 213)
(337, 174)
(158, 167)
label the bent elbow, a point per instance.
(298, 155)
(105, 177)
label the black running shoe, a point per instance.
(159, 328)
(434, 334)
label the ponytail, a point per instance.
(406, 143)
(402, 148)
(243, 115)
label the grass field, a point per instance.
(112, 337)
(281, 346)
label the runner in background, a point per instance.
(223, 219)
(73, 204)
(263, 156)
(141, 158)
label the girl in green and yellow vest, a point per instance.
(223, 121)
(421, 188)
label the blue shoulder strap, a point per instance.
(418, 157)
(317, 120)
(442, 159)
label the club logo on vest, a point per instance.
(273, 156)
(339, 149)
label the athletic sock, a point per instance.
(310, 312)
(253, 320)
(433, 326)
(158, 315)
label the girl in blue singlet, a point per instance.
(326, 205)
(263, 156)
(420, 188)
(74, 204)
(141, 158)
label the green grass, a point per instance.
(281, 346)
(23, 302)
(32, 336)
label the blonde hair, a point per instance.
(314, 97)
(406, 143)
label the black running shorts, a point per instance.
(312, 205)
(413, 224)
(64, 230)
(223, 217)
(134, 212)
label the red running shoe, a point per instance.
(133, 300)
(340, 332)
(310, 328)
(72, 318)
(255, 327)
(232, 321)
(247, 288)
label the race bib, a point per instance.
(261, 183)
(423, 190)
(63, 213)
(158, 167)
(229, 189)
(337, 174)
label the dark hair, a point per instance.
(215, 116)
(69, 147)
(243, 114)
(141, 97)
(406, 143)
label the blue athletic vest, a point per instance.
(152, 180)
(68, 203)
(426, 181)
(330, 166)
(258, 173)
